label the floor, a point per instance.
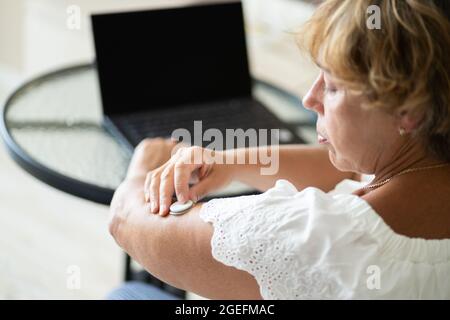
(46, 240)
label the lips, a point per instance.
(321, 139)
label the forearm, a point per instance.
(127, 200)
(139, 232)
(302, 165)
(175, 249)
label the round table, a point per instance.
(52, 127)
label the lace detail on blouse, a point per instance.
(277, 280)
(251, 242)
(312, 245)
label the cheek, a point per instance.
(343, 124)
(345, 134)
(344, 148)
(341, 127)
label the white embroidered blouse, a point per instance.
(316, 245)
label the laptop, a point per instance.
(165, 69)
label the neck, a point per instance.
(408, 157)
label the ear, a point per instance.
(409, 120)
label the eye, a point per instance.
(329, 89)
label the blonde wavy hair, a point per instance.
(405, 65)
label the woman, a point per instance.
(383, 102)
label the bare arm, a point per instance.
(178, 249)
(175, 249)
(302, 165)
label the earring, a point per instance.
(402, 131)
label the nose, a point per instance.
(313, 99)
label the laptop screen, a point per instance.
(166, 58)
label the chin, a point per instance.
(338, 162)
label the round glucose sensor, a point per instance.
(178, 208)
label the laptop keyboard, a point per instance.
(233, 114)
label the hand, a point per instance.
(188, 164)
(151, 154)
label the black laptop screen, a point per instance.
(162, 58)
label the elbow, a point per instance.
(118, 216)
(113, 227)
(116, 222)
(126, 218)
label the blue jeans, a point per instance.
(135, 290)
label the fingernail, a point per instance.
(162, 210)
(147, 197)
(152, 206)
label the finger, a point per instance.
(154, 192)
(182, 176)
(148, 178)
(204, 171)
(166, 190)
(155, 186)
(201, 189)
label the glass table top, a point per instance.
(52, 126)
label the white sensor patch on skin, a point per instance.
(178, 208)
